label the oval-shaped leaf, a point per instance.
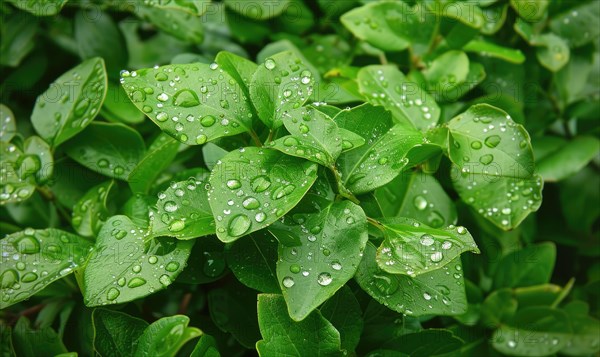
(159, 156)
(413, 248)
(282, 83)
(407, 101)
(252, 188)
(8, 126)
(71, 102)
(165, 337)
(311, 272)
(90, 211)
(110, 149)
(125, 266)
(194, 103)
(38, 257)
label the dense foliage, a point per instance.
(299, 178)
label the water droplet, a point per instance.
(260, 217)
(29, 277)
(269, 64)
(102, 163)
(260, 183)
(295, 268)
(492, 141)
(136, 282)
(436, 257)
(186, 98)
(172, 266)
(161, 76)
(511, 344)
(347, 145)
(165, 280)
(9, 278)
(461, 230)
(383, 161)
(426, 296)
(304, 129)
(324, 279)
(201, 139)
(238, 225)
(170, 206)
(177, 225)
(385, 284)
(250, 203)
(282, 191)
(112, 294)
(486, 159)
(447, 245)
(290, 141)
(476, 145)
(136, 268)
(118, 170)
(420, 202)
(427, 240)
(233, 184)
(349, 220)
(208, 120)
(163, 97)
(162, 116)
(121, 282)
(288, 282)
(27, 245)
(506, 211)
(336, 265)
(311, 238)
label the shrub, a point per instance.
(371, 184)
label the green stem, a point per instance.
(564, 292)
(342, 190)
(255, 138)
(375, 223)
(382, 58)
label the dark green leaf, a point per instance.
(568, 159)
(159, 156)
(528, 266)
(165, 336)
(116, 334)
(345, 314)
(112, 150)
(282, 336)
(36, 342)
(18, 32)
(258, 10)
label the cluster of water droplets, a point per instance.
(193, 104)
(90, 207)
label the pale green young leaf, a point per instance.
(8, 125)
(166, 336)
(40, 7)
(251, 188)
(90, 211)
(16, 182)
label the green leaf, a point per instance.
(534, 331)
(345, 314)
(177, 21)
(282, 336)
(579, 25)
(252, 261)
(211, 154)
(467, 13)
(40, 7)
(71, 102)
(206, 347)
(282, 83)
(258, 10)
(408, 103)
(315, 136)
(439, 292)
(578, 197)
(8, 125)
(148, 265)
(118, 109)
(413, 248)
(39, 257)
(38, 342)
(90, 211)
(498, 308)
(486, 48)
(568, 158)
(525, 267)
(552, 51)
(495, 17)
(311, 272)
(385, 25)
(37, 159)
(208, 264)
(112, 150)
(202, 105)
(418, 196)
(97, 35)
(158, 157)
(116, 334)
(384, 155)
(233, 309)
(350, 140)
(447, 72)
(530, 10)
(18, 34)
(238, 68)
(17, 184)
(165, 337)
(196, 7)
(252, 188)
